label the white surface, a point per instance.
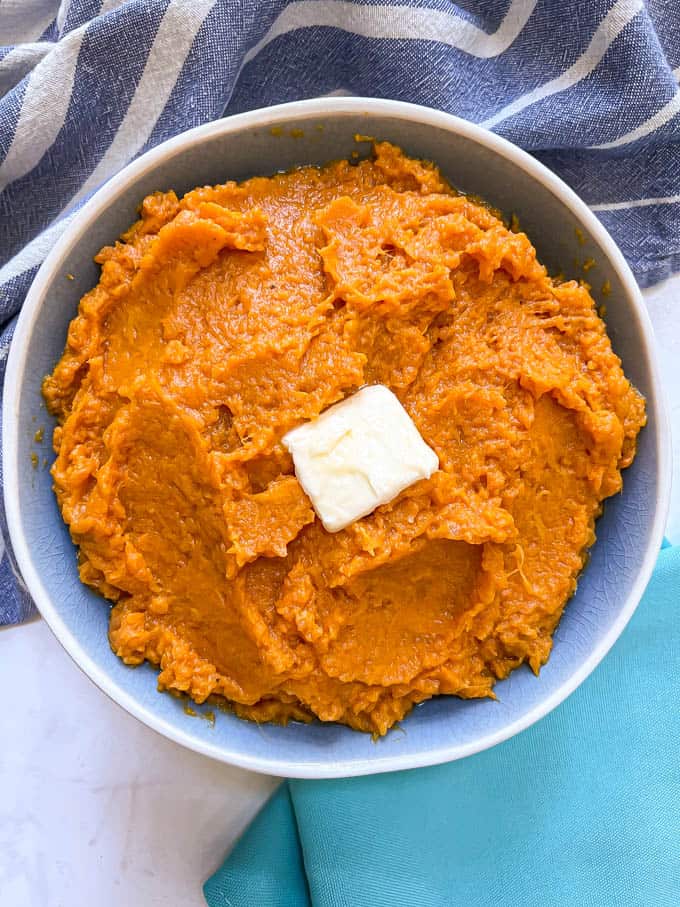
(359, 454)
(97, 809)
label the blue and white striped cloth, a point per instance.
(590, 88)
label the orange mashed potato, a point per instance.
(223, 320)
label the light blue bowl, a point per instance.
(476, 161)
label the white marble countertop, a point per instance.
(97, 809)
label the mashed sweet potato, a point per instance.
(226, 318)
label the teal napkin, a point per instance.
(581, 809)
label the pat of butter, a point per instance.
(357, 455)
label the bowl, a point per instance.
(262, 142)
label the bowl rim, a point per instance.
(324, 108)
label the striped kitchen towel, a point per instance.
(590, 88)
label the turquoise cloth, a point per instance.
(581, 809)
